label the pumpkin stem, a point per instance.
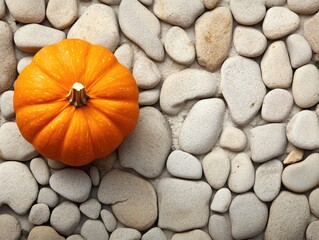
(77, 95)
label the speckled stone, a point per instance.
(9, 227)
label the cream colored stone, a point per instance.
(233, 139)
(27, 11)
(248, 12)
(303, 7)
(299, 50)
(311, 32)
(294, 156)
(61, 13)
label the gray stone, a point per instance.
(94, 230)
(44, 232)
(6, 105)
(39, 214)
(125, 55)
(191, 235)
(219, 227)
(314, 202)
(148, 97)
(95, 176)
(311, 32)
(40, 170)
(248, 12)
(48, 197)
(125, 234)
(2, 9)
(91, 208)
(304, 7)
(23, 63)
(146, 73)
(154, 233)
(221, 200)
(109, 220)
(27, 11)
(299, 50)
(62, 14)
(9, 227)
(312, 232)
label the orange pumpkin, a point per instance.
(75, 102)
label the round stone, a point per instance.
(62, 14)
(6, 105)
(191, 235)
(221, 200)
(125, 233)
(94, 230)
(40, 170)
(148, 97)
(95, 176)
(44, 232)
(23, 63)
(304, 7)
(146, 73)
(9, 227)
(299, 50)
(39, 214)
(125, 55)
(154, 233)
(311, 33)
(233, 139)
(75, 237)
(248, 12)
(27, 11)
(48, 197)
(219, 227)
(314, 202)
(91, 208)
(109, 220)
(312, 232)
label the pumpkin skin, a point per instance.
(57, 129)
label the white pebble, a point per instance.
(125, 55)
(311, 33)
(48, 197)
(210, 4)
(154, 233)
(6, 105)
(304, 7)
(9, 227)
(146, 73)
(272, 3)
(219, 227)
(299, 50)
(233, 139)
(221, 200)
(191, 235)
(75, 237)
(111, 2)
(125, 234)
(27, 11)
(312, 232)
(109, 220)
(248, 12)
(95, 176)
(62, 14)
(91, 208)
(314, 202)
(40, 170)
(23, 63)
(148, 97)
(94, 230)
(2, 9)
(39, 214)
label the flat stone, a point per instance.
(303, 130)
(94, 230)
(179, 46)
(186, 85)
(314, 202)
(27, 11)
(125, 55)
(184, 165)
(9, 227)
(18, 187)
(62, 14)
(294, 156)
(40, 170)
(32, 37)
(181, 13)
(311, 32)
(191, 235)
(248, 12)
(305, 86)
(125, 234)
(249, 42)
(279, 22)
(2, 9)
(146, 73)
(95, 176)
(233, 139)
(109, 220)
(299, 50)
(48, 197)
(304, 7)
(6, 105)
(7, 58)
(147, 147)
(291, 209)
(219, 227)
(44, 232)
(275, 66)
(133, 199)
(148, 97)
(23, 63)
(268, 180)
(39, 214)
(277, 105)
(154, 233)
(302, 176)
(105, 33)
(91, 208)
(312, 232)
(268, 141)
(183, 204)
(216, 166)
(202, 127)
(248, 216)
(65, 217)
(71, 183)
(243, 91)
(142, 27)
(221, 200)
(213, 36)
(242, 173)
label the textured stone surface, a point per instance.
(6, 105)
(221, 200)
(299, 50)
(219, 227)
(311, 32)
(9, 227)
(94, 230)
(233, 139)
(44, 232)
(146, 73)
(191, 235)
(304, 7)
(27, 11)
(62, 14)
(314, 202)
(248, 12)
(125, 233)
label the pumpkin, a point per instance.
(75, 102)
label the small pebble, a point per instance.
(312, 232)
(125, 55)
(210, 4)
(6, 105)
(248, 12)
(304, 7)
(314, 202)
(91, 208)
(111, 2)
(191, 235)
(75, 237)
(233, 139)
(219, 227)
(154, 233)
(48, 197)
(39, 214)
(44, 232)
(40, 170)
(27, 11)
(9, 227)
(95, 176)
(106, 163)
(148, 97)
(299, 50)
(125, 234)
(94, 230)
(221, 200)
(2, 9)
(147, 2)
(23, 63)
(272, 3)
(109, 220)
(56, 165)
(146, 73)
(311, 32)
(294, 156)
(62, 14)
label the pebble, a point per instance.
(181, 13)
(142, 27)
(184, 165)
(243, 91)
(95, 176)
(213, 36)
(248, 216)
(125, 234)
(111, 2)
(9, 227)
(277, 105)
(242, 173)
(2, 9)
(94, 230)
(6, 105)
(179, 46)
(91, 208)
(48, 197)
(305, 86)
(275, 66)
(248, 12)
(294, 156)
(299, 50)
(62, 14)
(249, 42)
(311, 32)
(216, 166)
(106, 163)
(146, 73)
(302, 176)
(183, 204)
(23, 63)
(32, 37)
(147, 2)
(154, 233)
(304, 7)
(7, 58)
(210, 4)
(105, 33)
(191, 235)
(65, 218)
(40, 170)
(233, 139)
(18, 187)
(133, 199)
(109, 220)
(312, 232)
(148, 97)
(39, 214)
(219, 227)
(314, 202)
(279, 22)
(44, 232)
(71, 183)
(147, 147)
(125, 55)
(272, 3)
(221, 201)
(292, 210)
(186, 85)
(56, 165)
(303, 130)
(268, 180)
(75, 237)
(27, 11)
(202, 127)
